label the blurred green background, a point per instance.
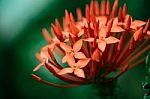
(21, 22)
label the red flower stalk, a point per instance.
(94, 46)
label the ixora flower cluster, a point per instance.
(95, 46)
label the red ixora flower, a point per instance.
(94, 46)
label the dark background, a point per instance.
(21, 22)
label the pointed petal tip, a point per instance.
(79, 73)
(65, 71)
(38, 67)
(77, 45)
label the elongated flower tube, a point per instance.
(94, 46)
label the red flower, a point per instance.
(100, 41)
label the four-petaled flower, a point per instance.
(72, 51)
(103, 40)
(75, 67)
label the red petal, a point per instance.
(77, 46)
(70, 60)
(148, 32)
(102, 20)
(102, 45)
(38, 56)
(115, 21)
(65, 71)
(89, 39)
(64, 59)
(102, 32)
(44, 52)
(138, 23)
(111, 40)
(146, 26)
(79, 55)
(117, 29)
(96, 55)
(81, 33)
(65, 47)
(79, 73)
(82, 63)
(137, 34)
(38, 67)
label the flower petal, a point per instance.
(65, 47)
(79, 73)
(38, 56)
(115, 21)
(38, 67)
(96, 55)
(64, 59)
(44, 52)
(148, 33)
(102, 45)
(66, 33)
(52, 46)
(81, 33)
(102, 20)
(137, 34)
(138, 23)
(111, 40)
(79, 55)
(117, 29)
(65, 71)
(56, 40)
(90, 39)
(66, 40)
(70, 60)
(102, 32)
(82, 63)
(77, 46)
